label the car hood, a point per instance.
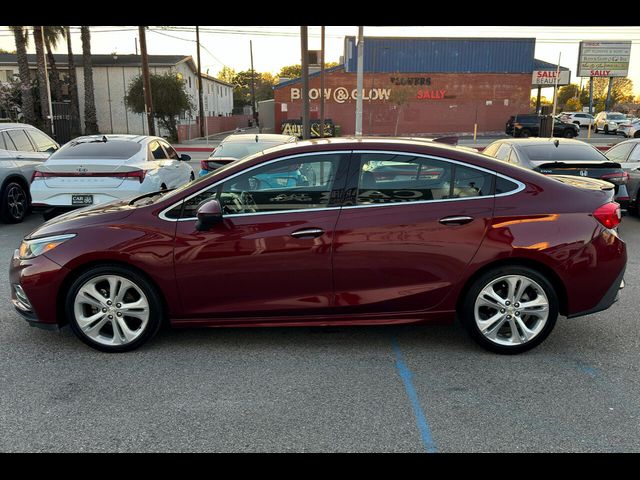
(102, 213)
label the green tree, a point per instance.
(170, 99)
(295, 71)
(242, 87)
(622, 91)
(401, 95)
(533, 102)
(227, 74)
(42, 78)
(565, 93)
(573, 105)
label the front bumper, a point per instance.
(35, 284)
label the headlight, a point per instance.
(38, 246)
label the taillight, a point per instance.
(619, 178)
(608, 214)
(139, 174)
(136, 174)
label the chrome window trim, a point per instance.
(520, 186)
(279, 159)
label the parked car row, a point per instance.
(36, 173)
(528, 125)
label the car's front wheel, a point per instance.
(510, 309)
(113, 308)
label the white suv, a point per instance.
(579, 118)
(608, 122)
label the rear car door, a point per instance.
(407, 231)
(158, 158)
(271, 254)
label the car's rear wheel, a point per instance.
(14, 203)
(113, 309)
(606, 129)
(510, 309)
(637, 134)
(569, 134)
(525, 133)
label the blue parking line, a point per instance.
(421, 421)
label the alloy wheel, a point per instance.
(511, 310)
(16, 201)
(111, 310)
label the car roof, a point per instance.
(261, 138)
(121, 137)
(7, 126)
(541, 141)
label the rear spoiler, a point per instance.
(577, 164)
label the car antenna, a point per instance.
(256, 138)
(104, 138)
(556, 142)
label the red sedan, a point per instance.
(386, 231)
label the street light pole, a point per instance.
(359, 81)
(146, 81)
(306, 130)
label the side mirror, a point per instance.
(185, 158)
(208, 215)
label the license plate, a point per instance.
(81, 199)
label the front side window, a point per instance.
(298, 183)
(171, 152)
(390, 178)
(20, 140)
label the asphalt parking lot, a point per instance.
(365, 389)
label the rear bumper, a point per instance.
(611, 297)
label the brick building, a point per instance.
(421, 86)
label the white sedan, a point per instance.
(101, 168)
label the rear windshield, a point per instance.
(116, 149)
(616, 117)
(240, 150)
(549, 153)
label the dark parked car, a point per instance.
(466, 236)
(528, 125)
(562, 157)
(627, 154)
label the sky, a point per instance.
(277, 46)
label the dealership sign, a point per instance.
(604, 59)
(294, 127)
(548, 78)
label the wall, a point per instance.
(213, 125)
(449, 103)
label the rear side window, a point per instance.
(503, 152)
(20, 140)
(3, 145)
(491, 149)
(156, 151)
(635, 154)
(43, 143)
(8, 142)
(505, 186)
(620, 152)
(388, 178)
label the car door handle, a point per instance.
(459, 220)
(307, 232)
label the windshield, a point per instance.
(575, 152)
(112, 149)
(239, 150)
(617, 117)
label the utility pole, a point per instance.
(306, 130)
(253, 86)
(555, 90)
(590, 95)
(322, 83)
(146, 81)
(608, 100)
(200, 104)
(359, 81)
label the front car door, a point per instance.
(180, 170)
(271, 255)
(413, 224)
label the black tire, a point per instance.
(606, 129)
(192, 177)
(569, 133)
(163, 187)
(156, 310)
(14, 202)
(637, 134)
(467, 314)
(525, 133)
(595, 129)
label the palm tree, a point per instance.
(22, 38)
(42, 79)
(73, 88)
(90, 120)
(52, 34)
